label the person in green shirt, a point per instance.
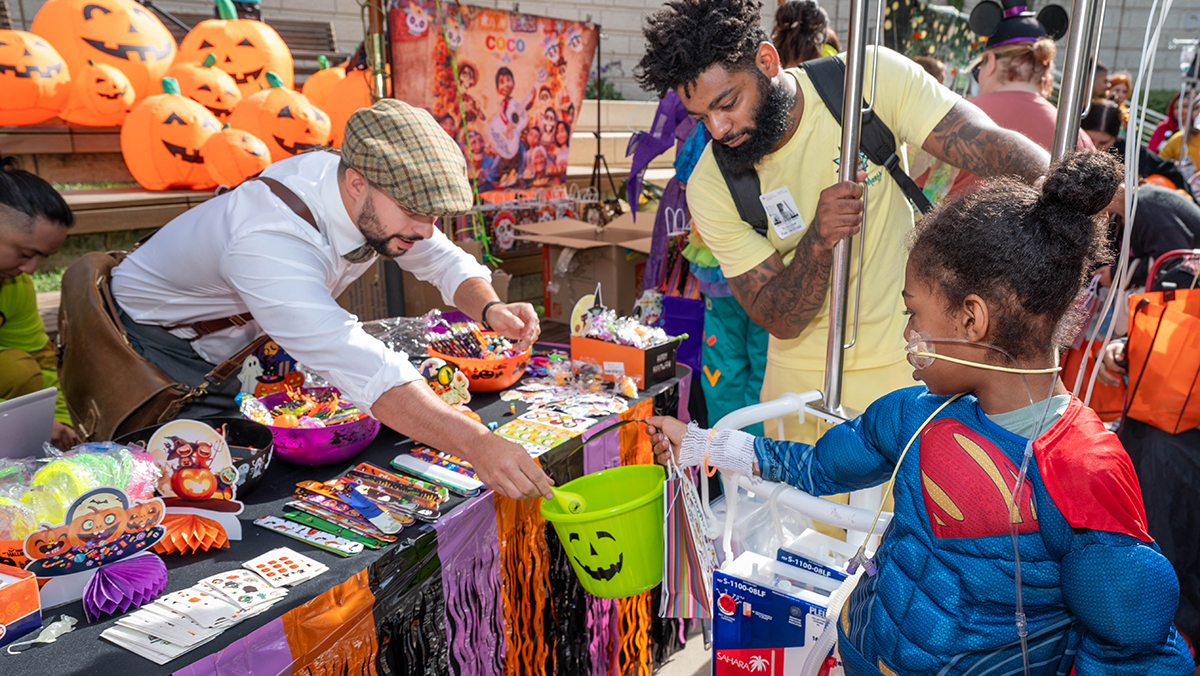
(33, 224)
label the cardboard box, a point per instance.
(421, 297)
(649, 366)
(20, 605)
(761, 626)
(576, 256)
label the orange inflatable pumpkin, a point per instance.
(33, 79)
(118, 33)
(244, 48)
(319, 84)
(211, 87)
(349, 95)
(101, 96)
(283, 118)
(161, 141)
(233, 155)
(1160, 180)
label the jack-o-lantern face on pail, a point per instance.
(101, 96)
(284, 119)
(33, 78)
(605, 560)
(161, 141)
(244, 48)
(119, 33)
(207, 85)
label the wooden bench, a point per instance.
(6, 22)
(305, 39)
(117, 209)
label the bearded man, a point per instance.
(716, 57)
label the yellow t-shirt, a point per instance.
(1171, 148)
(911, 103)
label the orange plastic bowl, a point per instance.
(489, 375)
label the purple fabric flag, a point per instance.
(263, 652)
(647, 145)
(469, 549)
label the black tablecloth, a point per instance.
(84, 652)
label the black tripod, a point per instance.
(612, 207)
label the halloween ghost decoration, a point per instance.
(319, 85)
(33, 78)
(118, 33)
(101, 96)
(244, 48)
(232, 156)
(283, 118)
(207, 85)
(161, 141)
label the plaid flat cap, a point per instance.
(402, 150)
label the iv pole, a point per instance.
(1083, 42)
(839, 276)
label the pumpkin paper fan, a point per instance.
(190, 532)
(126, 584)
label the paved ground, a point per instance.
(693, 660)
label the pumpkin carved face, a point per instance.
(233, 156)
(245, 49)
(33, 77)
(602, 565)
(47, 542)
(161, 141)
(101, 96)
(119, 33)
(284, 119)
(207, 85)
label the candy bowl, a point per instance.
(489, 375)
(314, 446)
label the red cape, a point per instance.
(1089, 475)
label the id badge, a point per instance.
(782, 212)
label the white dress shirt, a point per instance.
(246, 251)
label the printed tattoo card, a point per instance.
(244, 588)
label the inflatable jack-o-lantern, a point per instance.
(244, 48)
(233, 155)
(283, 118)
(161, 141)
(34, 81)
(101, 96)
(207, 85)
(318, 85)
(349, 95)
(119, 33)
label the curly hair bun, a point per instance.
(1084, 182)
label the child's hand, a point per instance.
(667, 434)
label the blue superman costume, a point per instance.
(1098, 595)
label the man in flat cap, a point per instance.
(271, 256)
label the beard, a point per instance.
(375, 234)
(770, 124)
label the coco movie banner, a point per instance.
(506, 86)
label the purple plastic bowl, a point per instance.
(323, 445)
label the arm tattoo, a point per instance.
(785, 300)
(969, 140)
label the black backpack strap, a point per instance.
(828, 75)
(745, 188)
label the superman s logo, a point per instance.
(968, 485)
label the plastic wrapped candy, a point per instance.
(309, 423)
(608, 327)
(254, 409)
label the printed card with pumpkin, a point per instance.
(101, 526)
(198, 470)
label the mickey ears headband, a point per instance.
(1015, 22)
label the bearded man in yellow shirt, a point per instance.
(715, 56)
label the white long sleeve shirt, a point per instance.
(246, 251)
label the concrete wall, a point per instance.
(621, 21)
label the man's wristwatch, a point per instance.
(483, 315)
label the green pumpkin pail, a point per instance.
(616, 543)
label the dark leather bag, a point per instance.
(110, 388)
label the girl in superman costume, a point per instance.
(991, 281)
